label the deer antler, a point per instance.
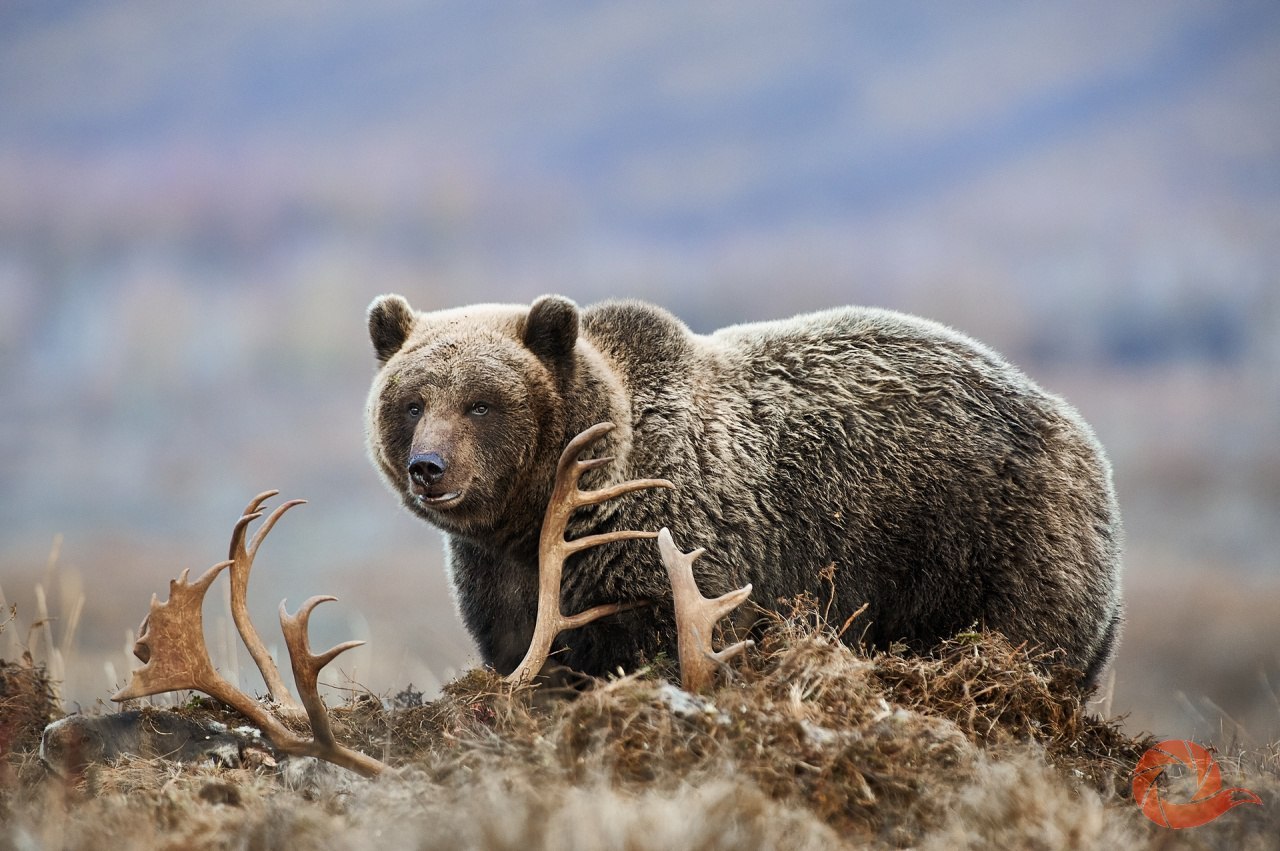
(172, 647)
(553, 549)
(696, 617)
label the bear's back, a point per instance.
(644, 341)
(946, 486)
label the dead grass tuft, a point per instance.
(28, 702)
(1000, 694)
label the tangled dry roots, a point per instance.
(805, 744)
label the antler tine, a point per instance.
(237, 548)
(265, 528)
(553, 549)
(298, 623)
(250, 513)
(605, 494)
(256, 502)
(696, 617)
(306, 674)
(259, 499)
(242, 557)
(570, 468)
(581, 441)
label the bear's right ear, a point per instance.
(551, 330)
(390, 321)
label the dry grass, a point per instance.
(806, 744)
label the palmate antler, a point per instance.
(553, 549)
(172, 647)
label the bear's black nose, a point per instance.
(427, 469)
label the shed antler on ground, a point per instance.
(172, 647)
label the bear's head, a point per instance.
(468, 410)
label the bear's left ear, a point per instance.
(552, 327)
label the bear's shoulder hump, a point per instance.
(638, 327)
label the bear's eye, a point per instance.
(414, 410)
(479, 409)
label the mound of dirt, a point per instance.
(805, 743)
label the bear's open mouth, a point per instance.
(439, 500)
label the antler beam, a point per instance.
(696, 617)
(553, 549)
(241, 558)
(172, 648)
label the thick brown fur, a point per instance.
(946, 488)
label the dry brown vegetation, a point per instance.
(804, 744)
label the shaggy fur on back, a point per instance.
(944, 486)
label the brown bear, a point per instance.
(946, 489)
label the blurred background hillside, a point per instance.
(198, 202)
